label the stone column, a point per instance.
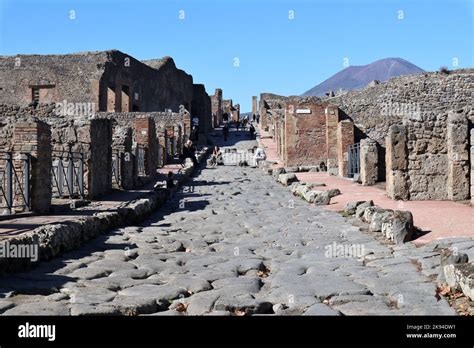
(254, 106)
(263, 114)
(396, 161)
(458, 156)
(99, 161)
(34, 138)
(218, 94)
(368, 162)
(170, 139)
(162, 144)
(345, 137)
(332, 119)
(122, 145)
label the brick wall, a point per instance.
(305, 134)
(216, 107)
(34, 137)
(345, 137)
(332, 119)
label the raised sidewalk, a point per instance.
(443, 219)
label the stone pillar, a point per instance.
(254, 106)
(145, 134)
(332, 119)
(217, 108)
(236, 112)
(458, 156)
(177, 139)
(99, 163)
(162, 144)
(170, 150)
(34, 138)
(122, 145)
(187, 125)
(396, 162)
(368, 162)
(263, 114)
(344, 138)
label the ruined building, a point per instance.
(414, 132)
(109, 119)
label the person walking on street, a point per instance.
(251, 130)
(225, 130)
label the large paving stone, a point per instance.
(39, 308)
(320, 309)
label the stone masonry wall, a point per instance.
(34, 137)
(375, 108)
(344, 137)
(201, 107)
(216, 107)
(110, 80)
(305, 134)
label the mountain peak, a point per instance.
(359, 76)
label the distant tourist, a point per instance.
(225, 117)
(258, 118)
(225, 130)
(216, 156)
(194, 136)
(189, 152)
(170, 180)
(253, 117)
(251, 130)
(259, 155)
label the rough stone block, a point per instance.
(368, 162)
(399, 227)
(287, 179)
(461, 277)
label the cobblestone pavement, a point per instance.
(231, 242)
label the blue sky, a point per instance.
(275, 53)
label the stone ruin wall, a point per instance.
(111, 80)
(374, 109)
(201, 107)
(71, 77)
(91, 137)
(96, 137)
(216, 107)
(421, 103)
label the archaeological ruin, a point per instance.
(415, 133)
(103, 119)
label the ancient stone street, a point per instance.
(232, 242)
